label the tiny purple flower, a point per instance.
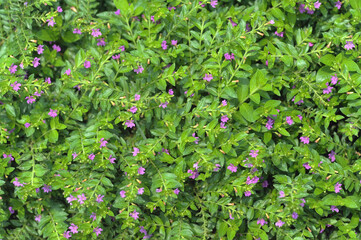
(27, 125)
(282, 194)
(208, 77)
(305, 140)
(67, 234)
(163, 105)
(12, 68)
(36, 62)
(51, 21)
(334, 209)
(174, 42)
(164, 45)
(130, 123)
(112, 159)
(16, 86)
(214, 3)
(141, 170)
(96, 33)
(81, 198)
(103, 143)
(38, 218)
(294, 215)
(136, 151)
(100, 198)
(232, 168)
(289, 120)
(73, 228)
(279, 223)
(176, 191)
(261, 222)
(317, 5)
(46, 188)
(349, 45)
(87, 64)
(338, 187)
(122, 193)
(67, 72)
(136, 97)
(134, 215)
(140, 191)
(254, 153)
(338, 4)
(133, 109)
(247, 193)
(117, 12)
(91, 156)
(97, 230)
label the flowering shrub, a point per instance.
(180, 119)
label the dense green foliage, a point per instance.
(180, 119)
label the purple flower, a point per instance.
(222, 125)
(152, 19)
(12, 68)
(122, 48)
(224, 102)
(229, 57)
(279, 223)
(136, 97)
(279, 34)
(122, 193)
(328, 89)
(77, 31)
(70, 199)
(133, 109)
(30, 99)
(117, 12)
(51, 22)
(59, 9)
(302, 204)
(233, 23)
(349, 45)
(40, 49)
(136, 151)
(310, 44)
(140, 69)
(174, 42)
(97, 230)
(197, 138)
(216, 169)
(163, 105)
(38, 218)
(317, 5)
(232, 168)
(96, 33)
(67, 72)
(81, 198)
(67, 234)
(87, 64)
(170, 92)
(11, 210)
(116, 56)
(93, 216)
(46, 188)
(254, 153)
(334, 209)
(176, 191)
(134, 215)
(38, 94)
(56, 48)
(208, 77)
(294, 215)
(103, 143)
(202, 5)
(282, 194)
(100, 198)
(338, 4)
(101, 42)
(269, 123)
(164, 45)
(224, 118)
(334, 79)
(111, 159)
(337, 187)
(306, 166)
(272, 21)
(27, 125)
(91, 156)
(230, 216)
(254, 180)
(332, 155)
(214, 3)
(261, 222)
(194, 173)
(73, 228)
(74, 155)
(289, 120)
(305, 140)
(141, 170)
(247, 193)
(265, 184)
(16, 86)
(130, 123)
(36, 62)
(300, 117)
(48, 80)
(141, 191)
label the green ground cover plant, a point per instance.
(232, 119)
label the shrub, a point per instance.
(180, 119)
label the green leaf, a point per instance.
(283, 132)
(47, 35)
(258, 80)
(324, 73)
(328, 59)
(122, 5)
(355, 4)
(10, 110)
(80, 57)
(53, 136)
(39, 170)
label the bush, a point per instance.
(180, 119)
